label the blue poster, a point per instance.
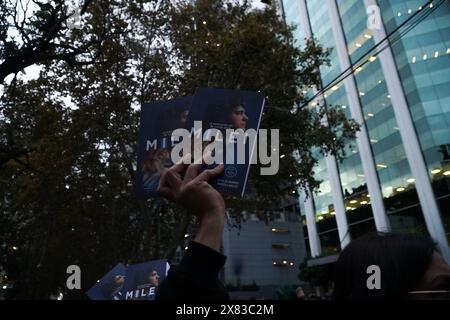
(223, 110)
(158, 120)
(229, 110)
(109, 287)
(143, 279)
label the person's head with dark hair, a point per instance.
(154, 278)
(237, 114)
(231, 112)
(406, 263)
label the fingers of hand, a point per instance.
(169, 184)
(164, 192)
(193, 169)
(181, 164)
(173, 178)
(210, 174)
(192, 172)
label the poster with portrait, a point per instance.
(231, 110)
(142, 280)
(158, 120)
(109, 287)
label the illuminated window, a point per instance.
(282, 263)
(280, 230)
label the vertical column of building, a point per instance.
(332, 168)
(367, 161)
(313, 236)
(409, 138)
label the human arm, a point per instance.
(197, 275)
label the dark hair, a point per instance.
(402, 258)
(222, 111)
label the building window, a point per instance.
(281, 245)
(282, 263)
(280, 229)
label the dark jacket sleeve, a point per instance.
(196, 277)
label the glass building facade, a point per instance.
(421, 60)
